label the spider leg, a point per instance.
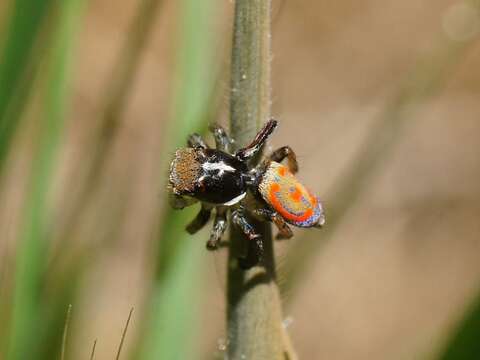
(196, 141)
(285, 152)
(222, 140)
(284, 230)
(240, 220)
(254, 147)
(219, 227)
(200, 220)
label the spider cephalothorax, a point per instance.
(223, 181)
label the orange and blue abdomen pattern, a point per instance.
(286, 195)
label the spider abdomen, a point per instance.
(290, 198)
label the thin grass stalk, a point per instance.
(124, 335)
(173, 319)
(65, 333)
(254, 309)
(94, 347)
(32, 245)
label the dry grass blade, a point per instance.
(117, 90)
(94, 346)
(65, 332)
(124, 334)
(124, 71)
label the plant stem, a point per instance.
(254, 312)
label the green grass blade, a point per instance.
(21, 33)
(171, 327)
(465, 342)
(173, 316)
(31, 248)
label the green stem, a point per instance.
(254, 313)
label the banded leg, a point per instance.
(255, 146)
(285, 152)
(284, 231)
(241, 221)
(196, 141)
(200, 220)
(222, 140)
(219, 227)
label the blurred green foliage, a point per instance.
(32, 245)
(465, 339)
(22, 31)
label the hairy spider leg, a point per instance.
(254, 147)
(285, 152)
(200, 220)
(240, 220)
(222, 140)
(196, 141)
(284, 230)
(219, 227)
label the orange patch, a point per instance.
(274, 187)
(282, 171)
(296, 195)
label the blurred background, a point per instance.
(379, 99)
